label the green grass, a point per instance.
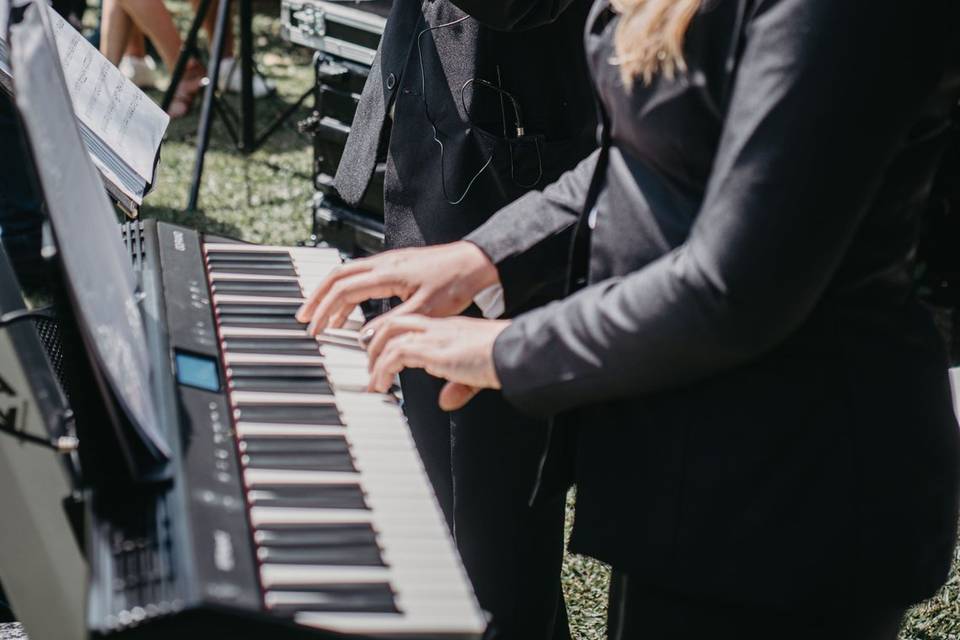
(265, 197)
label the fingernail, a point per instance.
(367, 336)
(300, 314)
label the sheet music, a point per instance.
(4, 22)
(4, 18)
(111, 107)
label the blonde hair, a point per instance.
(649, 38)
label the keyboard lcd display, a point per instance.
(197, 371)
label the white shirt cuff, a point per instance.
(490, 301)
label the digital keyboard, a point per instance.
(298, 505)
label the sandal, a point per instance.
(194, 78)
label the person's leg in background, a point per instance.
(153, 19)
(136, 63)
(229, 78)
(115, 29)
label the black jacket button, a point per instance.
(391, 82)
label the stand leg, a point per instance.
(206, 113)
(188, 51)
(246, 77)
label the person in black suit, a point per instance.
(468, 118)
(760, 411)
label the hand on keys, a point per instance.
(433, 281)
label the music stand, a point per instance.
(103, 311)
(247, 142)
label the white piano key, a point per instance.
(238, 398)
(344, 333)
(265, 477)
(410, 520)
(293, 598)
(228, 298)
(353, 381)
(315, 254)
(349, 356)
(381, 481)
(254, 332)
(372, 432)
(272, 358)
(262, 429)
(338, 341)
(458, 622)
(218, 275)
(266, 516)
(428, 579)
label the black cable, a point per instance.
(433, 125)
(13, 317)
(63, 444)
(518, 122)
(513, 166)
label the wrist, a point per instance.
(479, 269)
(498, 327)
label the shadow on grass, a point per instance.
(197, 220)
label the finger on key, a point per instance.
(343, 271)
(346, 294)
(389, 330)
(414, 306)
(403, 352)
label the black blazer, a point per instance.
(543, 67)
(762, 408)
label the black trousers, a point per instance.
(482, 461)
(636, 613)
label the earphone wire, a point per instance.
(436, 133)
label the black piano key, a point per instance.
(346, 598)
(257, 309)
(338, 556)
(299, 385)
(249, 256)
(328, 496)
(313, 444)
(298, 346)
(265, 371)
(258, 288)
(289, 414)
(259, 322)
(313, 535)
(306, 461)
(254, 269)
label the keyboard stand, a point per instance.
(43, 573)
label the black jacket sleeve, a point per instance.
(824, 95)
(513, 15)
(529, 239)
